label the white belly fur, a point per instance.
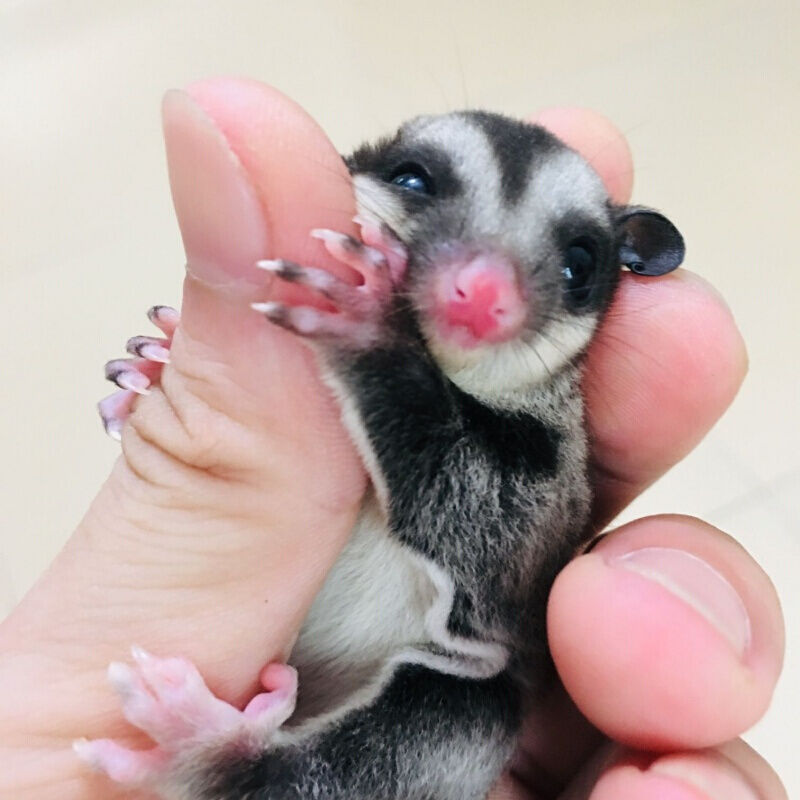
(372, 605)
(381, 605)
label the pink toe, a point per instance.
(135, 381)
(114, 410)
(373, 235)
(149, 347)
(279, 678)
(165, 318)
(280, 681)
(260, 704)
(122, 765)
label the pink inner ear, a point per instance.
(479, 302)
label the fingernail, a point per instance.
(220, 217)
(713, 775)
(696, 583)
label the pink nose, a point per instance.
(483, 297)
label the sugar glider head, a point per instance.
(514, 246)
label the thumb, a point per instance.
(237, 486)
(236, 471)
(251, 174)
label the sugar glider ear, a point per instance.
(649, 243)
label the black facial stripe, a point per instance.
(368, 157)
(384, 159)
(589, 233)
(515, 145)
(574, 227)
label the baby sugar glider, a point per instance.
(489, 254)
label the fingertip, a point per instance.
(298, 175)
(652, 652)
(218, 212)
(754, 768)
(600, 142)
(242, 106)
(732, 771)
(629, 783)
(667, 362)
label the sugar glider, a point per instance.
(489, 252)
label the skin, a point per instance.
(237, 487)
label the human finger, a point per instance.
(732, 771)
(668, 359)
(667, 635)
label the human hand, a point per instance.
(667, 635)
(237, 486)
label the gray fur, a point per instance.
(427, 642)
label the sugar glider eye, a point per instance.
(412, 177)
(578, 271)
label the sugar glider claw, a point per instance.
(114, 410)
(315, 324)
(165, 318)
(136, 375)
(149, 347)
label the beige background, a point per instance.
(706, 90)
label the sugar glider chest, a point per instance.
(489, 253)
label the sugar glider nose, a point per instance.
(480, 301)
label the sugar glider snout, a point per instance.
(478, 300)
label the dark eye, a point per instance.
(579, 267)
(412, 177)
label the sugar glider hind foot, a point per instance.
(209, 750)
(167, 699)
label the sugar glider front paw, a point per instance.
(136, 375)
(168, 699)
(359, 309)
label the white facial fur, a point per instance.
(559, 185)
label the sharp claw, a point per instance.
(270, 309)
(114, 410)
(121, 677)
(304, 320)
(326, 235)
(155, 352)
(277, 265)
(79, 747)
(162, 312)
(134, 381)
(140, 655)
(165, 318)
(318, 279)
(287, 270)
(333, 239)
(148, 347)
(369, 262)
(388, 237)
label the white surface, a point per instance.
(706, 90)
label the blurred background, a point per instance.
(707, 91)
